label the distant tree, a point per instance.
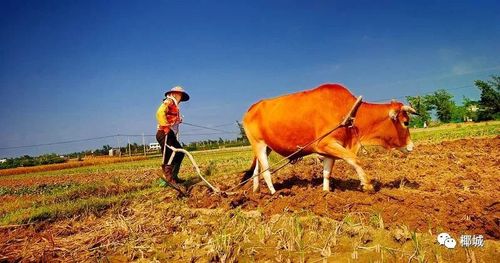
(243, 135)
(441, 101)
(102, 151)
(422, 106)
(471, 107)
(458, 113)
(48, 159)
(489, 104)
(26, 160)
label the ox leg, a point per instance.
(264, 166)
(256, 177)
(337, 150)
(365, 180)
(327, 170)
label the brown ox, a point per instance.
(284, 123)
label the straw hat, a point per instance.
(184, 97)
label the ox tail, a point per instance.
(249, 173)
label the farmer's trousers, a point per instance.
(172, 141)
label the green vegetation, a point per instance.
(441, 101)
(456, 131)
(67, 199)
(135, 149)
(60, 210)
(490, 98)
(214, 144)
(26, 160)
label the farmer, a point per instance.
(169, 117)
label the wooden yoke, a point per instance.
(349, 118)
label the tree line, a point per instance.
(214, 144)
(135, 148)
(26, 160)
(441, 102)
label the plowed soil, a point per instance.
(449, 186)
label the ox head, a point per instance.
(396, 132)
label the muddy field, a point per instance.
(449, 186)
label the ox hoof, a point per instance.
(368, 188)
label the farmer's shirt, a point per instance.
(168, 114)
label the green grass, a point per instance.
(32, 190)
(67, 199)
(456, 131)
(60, 210)
(62, 207)
(100, 168)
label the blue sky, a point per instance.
(80, 69)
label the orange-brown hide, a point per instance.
(284, 123)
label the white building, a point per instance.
(154, 146)
(115, 152)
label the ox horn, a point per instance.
(409, 109)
